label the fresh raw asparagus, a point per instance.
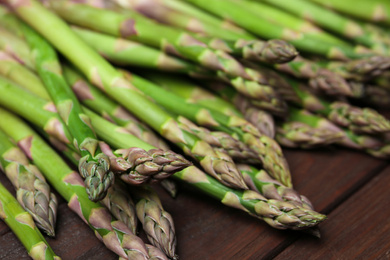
(96, 100)
(157, 223)
(333, 22)
(266, 148)
(113, 233)
(170, 186)
(22, 225)
(94, 165)
(373, 10)
(282, 215)
(103, 75)
(32, 190)
(249, 20)
(136, 27)
(260, 181)
(193, 93)
(156, 164)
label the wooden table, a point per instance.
(352, 188)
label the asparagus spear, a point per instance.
(123, 52)
(138, 28)
(333, 22)
(260, 181)
(266, 148)
(155, 164)
(157, 223)
(94, 165)
(170, 186)
(374, 11)
(277, 214)
(193, 93)
(113, 233)
(308, 133)
(245, 17)
(102, 74)
(22, 224)
(96, 100)
(32, 191)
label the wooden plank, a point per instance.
(358, 229)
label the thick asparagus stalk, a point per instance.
(275, 213)
(94, 165)
(124, 52)
(96, 100)
(374, 11)
(266, 148)
(333, 22)
(22, 224)
(157, 223)
(308, 133)
(139, 28)
(113, 233)
(32, 190)
(260, 181)
(102, 74)
(156, 164)
(193, 93)
(249, 20)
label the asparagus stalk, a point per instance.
(94, 165)
(373, 11)
(22, 224)
(278, 214)
(139, 28)
(333, 22)
(155, 164)
(102, 74)
(193, 93)
(260, 181)
(32, 190)
(306, 134)
(123, 52)
(157, 223)
(266, 148)
(113, 233)
(249, 20)
(96, 100)
(170, 186)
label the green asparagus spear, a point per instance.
(94, 165)
(22, 224)
(32, 190)
(103, 75)
(113, 233)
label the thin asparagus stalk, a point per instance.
(96, 100)
(367, 143)
(272, 51)
(333, 22)
(103, 75)
(157, 223)
(22, 225)
(373, 11)
(260, 181)
(32, 190)
(155, 164)
(136, 27)
(275, 213)
(94, 165)
(252, 22)
(266, 148)
(113, 233)
(358, 120)
(193, 93)
(306, 134)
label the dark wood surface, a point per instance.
(352, 188)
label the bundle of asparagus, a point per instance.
(248, 93)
